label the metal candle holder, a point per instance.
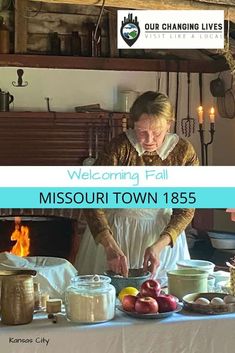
(204, 145)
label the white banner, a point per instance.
(73, 176)
(170, 29)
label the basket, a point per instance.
(135, 278)
(232, 280)
(210, 309)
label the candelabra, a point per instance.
(204, 145)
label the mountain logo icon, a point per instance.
(130, 29)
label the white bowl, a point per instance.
(220, 240)
(224, 287)
(199, 264)
(221, 276)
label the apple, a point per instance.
(166, 302)
(128, 302)
(146, 305)
(150, 288)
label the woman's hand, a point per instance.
(151, 259)
(116, 260)
(152, 254)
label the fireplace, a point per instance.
(50, 235)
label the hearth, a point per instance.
(48, 236)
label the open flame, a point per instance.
(21, 235)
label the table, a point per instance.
(180, 333)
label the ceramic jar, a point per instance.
(186, 281)
(126, 99)
(17, 299)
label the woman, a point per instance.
(119, 239)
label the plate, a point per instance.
(150, 316)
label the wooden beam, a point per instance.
(21, 26)
(218, 2)
(114, 64)
(227, 6)
(114, 52)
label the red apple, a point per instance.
(146, 305)
(128, 302)
(166, 302)
(150, 288)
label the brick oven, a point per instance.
(52, 232)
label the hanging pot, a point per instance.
(226, 104)
(217, 88)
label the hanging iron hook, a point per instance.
(48, 104)
(97, 40)
(20, 73)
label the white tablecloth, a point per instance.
(180, 333)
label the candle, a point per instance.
(212, 115)
(200, 114)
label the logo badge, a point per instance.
(130, 30)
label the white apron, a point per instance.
(134, 230)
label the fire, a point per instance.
(21, 235)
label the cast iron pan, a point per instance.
(226, 103)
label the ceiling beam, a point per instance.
(218, 2)
(114, 64)
(228, 7)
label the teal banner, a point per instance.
(49, 197)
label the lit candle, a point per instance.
(212, 115)
(200, 114)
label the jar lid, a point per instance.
(91, 280)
